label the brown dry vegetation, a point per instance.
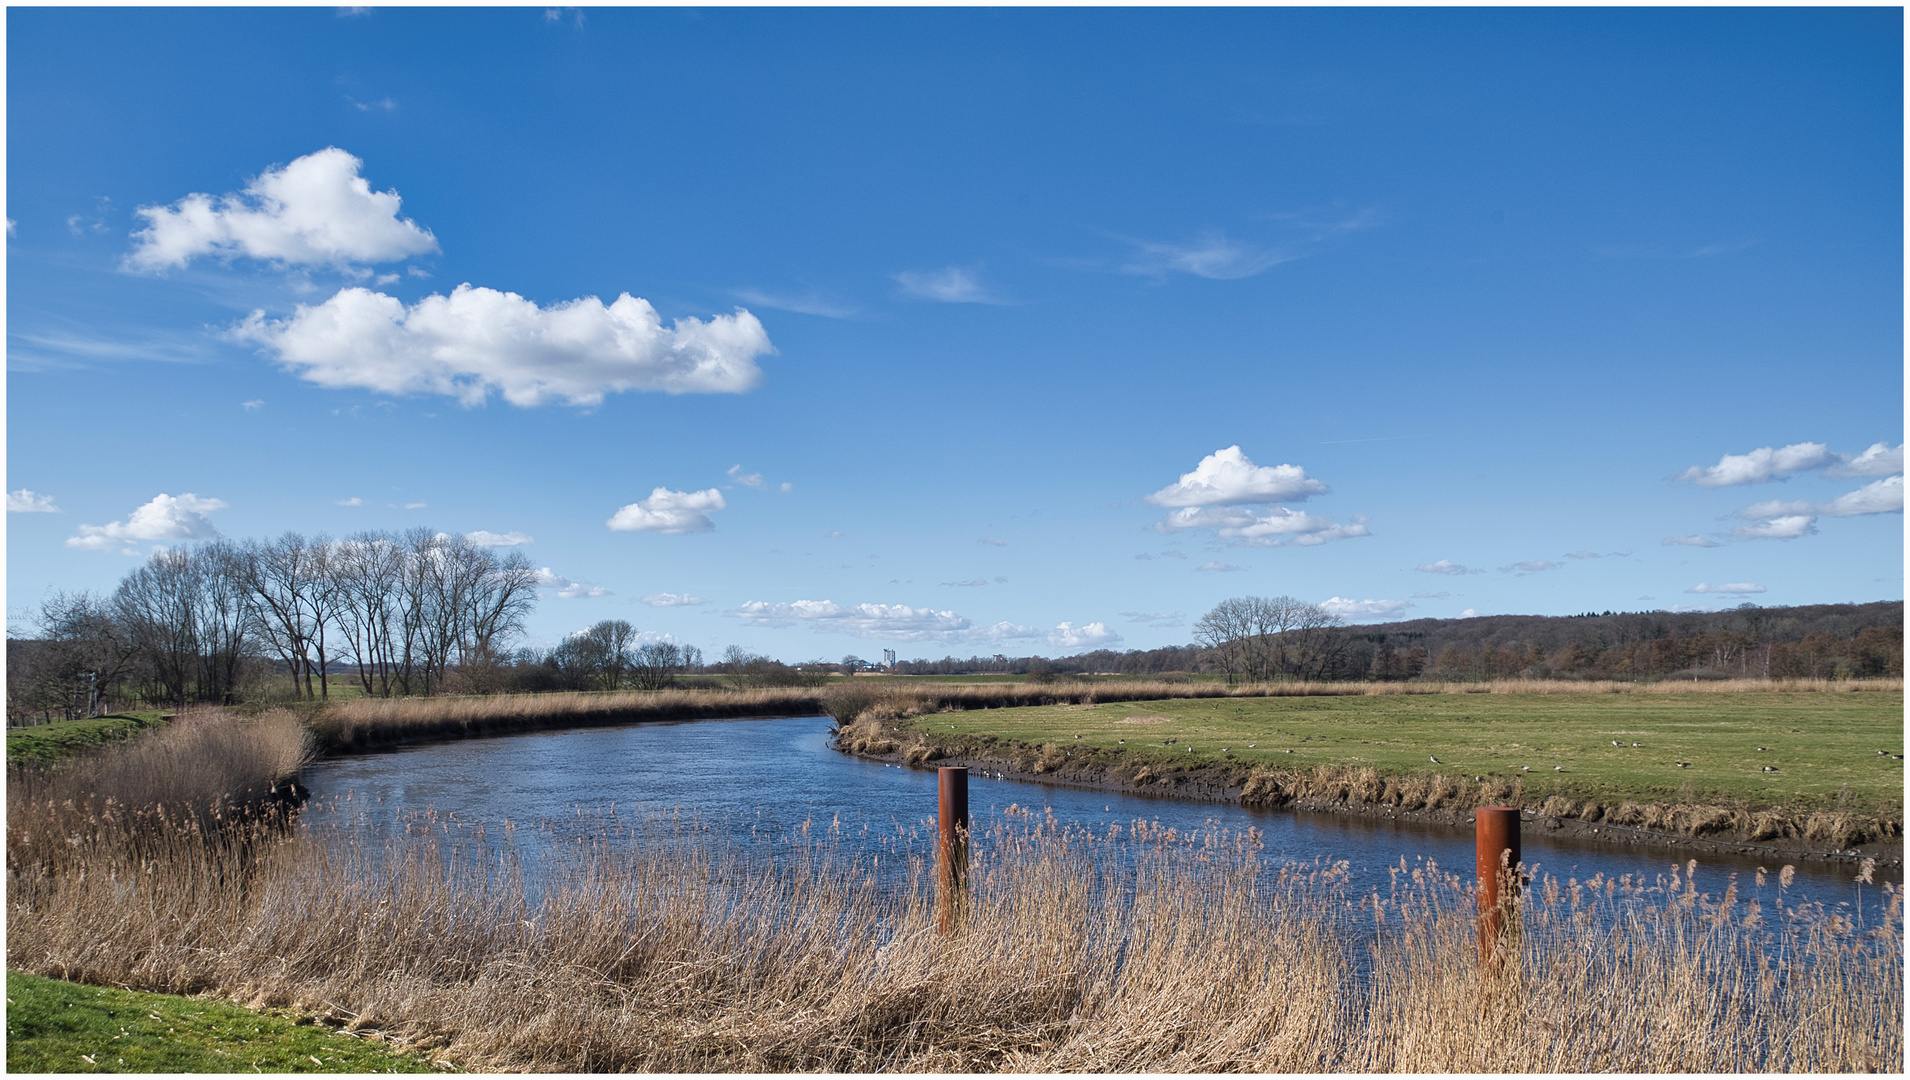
(378, 721)
(654, 948)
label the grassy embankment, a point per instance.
(1830, 784)
(55, 1026)
(45, 744)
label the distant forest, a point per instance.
(1810, 641)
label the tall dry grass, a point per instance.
(649, 947)
(379, 721)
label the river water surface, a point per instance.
(755, 780)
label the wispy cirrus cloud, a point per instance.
(810, 303)
(1445, 566)
(1215, 255)
(949, 285)
(1730, 588)
(1156, 618)
(1689, 541)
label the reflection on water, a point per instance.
(761, 780)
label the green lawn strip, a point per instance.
(1823, 745)
(55, 1026)
(45, 744)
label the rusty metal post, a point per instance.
(951, 849)
(1498, 858)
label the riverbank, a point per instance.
(376, 723)
(1833, 796)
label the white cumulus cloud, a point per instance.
(673, 599)
(164, 518)
(1532, 566)
(1688, 541)
(1878, 497)
(1092, 635)
(316, 211)
(477, 341)
(1276, 527)
(1881, 459)
(755, 480)
(24, 501)
(351, 501)
(485, 538)
(1733, 588)
(1230, 477)
(1789, 527)
(667, 511)
(568, 589)
(1363, 609)
(1443, 566)
(893, 622)
(1761, 465)
(1215, 566)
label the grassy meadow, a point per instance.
(55, 1026)
(1824, 746)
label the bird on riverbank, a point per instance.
(1615, 742)
(1250, 746)
(1770, 768)
(1684, 764)
(1558, 768)
(1525, 768)
(1763, 748)
(1434, 760)
(1638, 744)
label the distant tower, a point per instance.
(888, 659)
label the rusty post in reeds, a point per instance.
(1498, 858)
(951, 849)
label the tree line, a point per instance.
(404, 613)
(1259, 639)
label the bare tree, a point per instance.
(656, 665)
(186, 611)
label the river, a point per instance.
(760, 779)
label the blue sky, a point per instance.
(967, 331)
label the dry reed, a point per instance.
(656, 947)
(378, 721)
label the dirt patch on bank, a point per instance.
(1364, 792)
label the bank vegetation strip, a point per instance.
(651, 945)
(170, 863)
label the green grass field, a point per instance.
(64, 1027)
(1823, 745)
(45, 744)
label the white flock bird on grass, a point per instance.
(1432, 759)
